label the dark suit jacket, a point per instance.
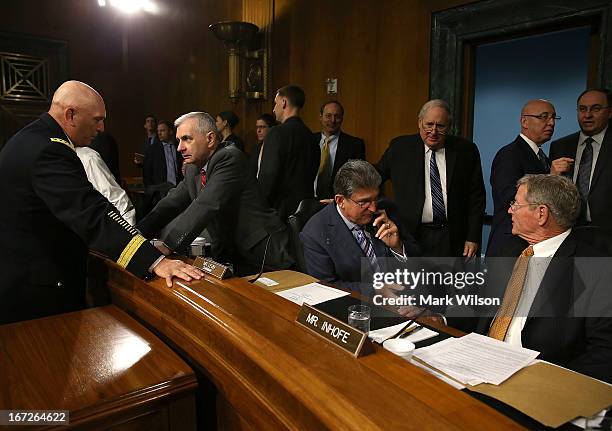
(106, 146)
(509, 165)
(404, 164)
(52, 215)
(230, 207)
(600, 191)
(333, 255)
(349, 147)
(570, 321)
(289, 165)
(236, 141)
(154, 166)
(253, 157)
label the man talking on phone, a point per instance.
(352, 238)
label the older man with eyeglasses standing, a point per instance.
(521, 157)
(437, 183)
(586, 157)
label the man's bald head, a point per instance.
(79, 110)
(538, 120)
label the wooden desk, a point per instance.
(102, 366)
(273, 374)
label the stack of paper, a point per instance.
(474, 359)
(313, 293)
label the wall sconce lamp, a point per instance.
(242, 41)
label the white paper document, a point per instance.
(380, 335)
(313, 293)
(267, 281)
(474, 358)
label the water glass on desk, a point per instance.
(359, 317)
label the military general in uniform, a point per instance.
(52, 214)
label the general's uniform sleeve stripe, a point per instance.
(130, 249)
(121, 222)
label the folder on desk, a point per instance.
(550, 394)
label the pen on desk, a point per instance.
(406, 326)
(410, 331)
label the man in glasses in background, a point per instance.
(586, 157)
(521, 157)
(438, 185)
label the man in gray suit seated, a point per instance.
(218, 194)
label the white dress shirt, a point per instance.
(103, 181)
(531, 144)
(350, 225)
(596, 144)
(538, 264)
(427, 216)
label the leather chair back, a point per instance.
(306, 209)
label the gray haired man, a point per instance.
(218, 194)
(557, 297)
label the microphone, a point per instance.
(263, 261)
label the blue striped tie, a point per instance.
(437, 201)
(366, 245)
(544, 160)
(584, 173)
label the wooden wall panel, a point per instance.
(379, 51)
(173, 64)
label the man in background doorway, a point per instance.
(512, 162)
(586, 157)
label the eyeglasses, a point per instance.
(544, 116)
(514, 206)
(430, 127)
(594, 109)
(363, 204)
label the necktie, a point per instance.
(514, 289)
(325, 170)
(544, 160)
(584, 171)
(170, 154)
(203, 177)
(366, 245)
(437, 201)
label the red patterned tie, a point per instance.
(203, 177)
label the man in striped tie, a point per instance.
(352, 238)
(586, 157)
(556, 298)
(437, 183)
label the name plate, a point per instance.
(213, 268)
(333, 330)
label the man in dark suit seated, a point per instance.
(290, 158)
(521, 157)
(350, 239)
(438, 185)
(218, 194)
(586, 157)
(557, 298)
(336, 148)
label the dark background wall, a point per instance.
(173, 62)
(378, 51)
